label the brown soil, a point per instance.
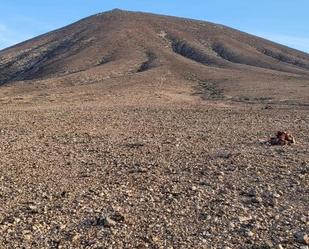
(132, 130)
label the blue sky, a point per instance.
(283, 21)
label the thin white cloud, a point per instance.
(2, 27)
(9, 37)
(11, 34)
(297, 42)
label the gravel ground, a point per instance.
(134, 130)
(93, 176)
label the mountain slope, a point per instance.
(120, 43)
(129, 130)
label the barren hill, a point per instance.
(133, 130)
(123, 44)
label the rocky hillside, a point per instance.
(121, 44)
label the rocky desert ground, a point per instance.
(157, 158)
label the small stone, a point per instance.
(194, 188)
(276, 195)
(257, 200)
(232, 225)
(250, 233)
(27, 237)
(106, 221)
(245, 218)
(252, 193)
(17, 220)
(62, 227)
(304, 247)
(76, 237)
(33, 209)
(279, 246)
(302, 238)
(35, 228)
(269, 243)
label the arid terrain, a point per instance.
(135, 130)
